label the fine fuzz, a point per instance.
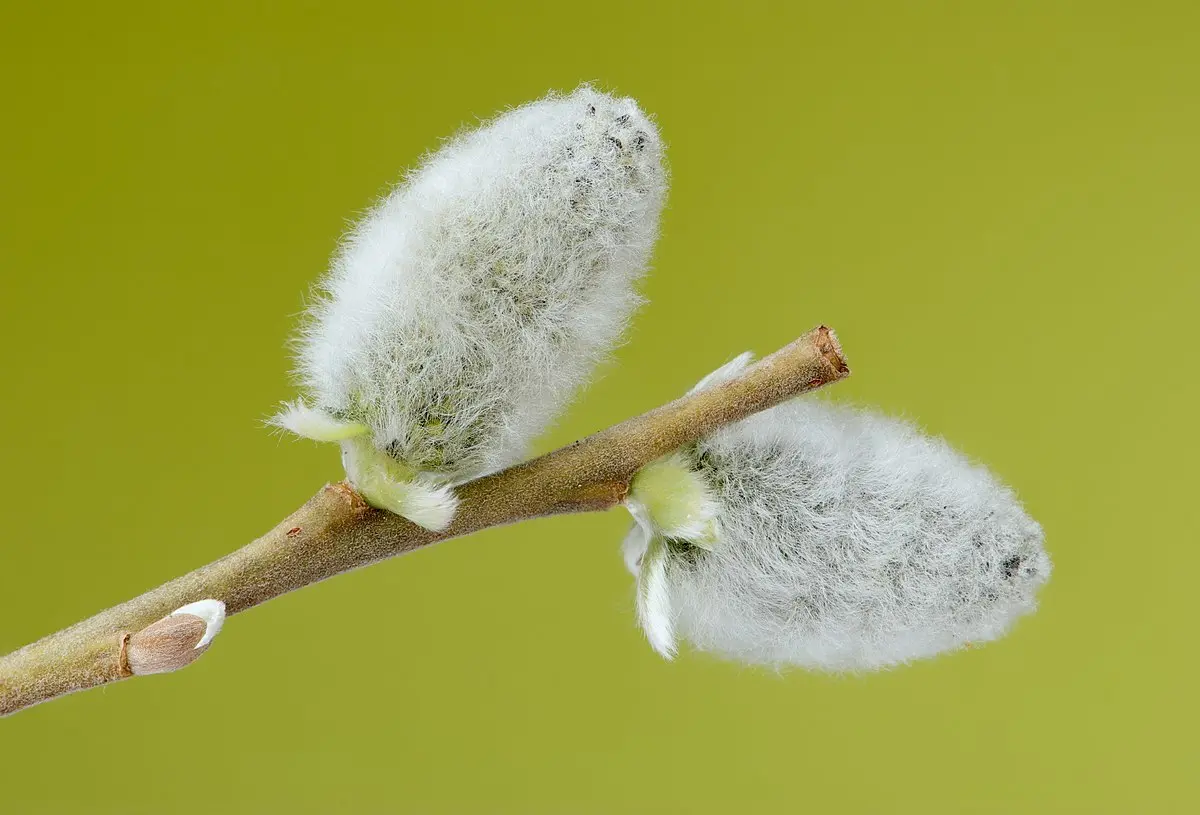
(467, 307)
(844, 540)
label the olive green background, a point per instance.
(995, 204)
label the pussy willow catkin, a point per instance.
(827, 537)
(467, 307)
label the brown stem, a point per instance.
(335, 531)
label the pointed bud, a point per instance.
(176, 640)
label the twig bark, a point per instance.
(336, 531)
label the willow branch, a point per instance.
(336, 531)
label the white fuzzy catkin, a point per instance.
(467, 307)
(845, 540)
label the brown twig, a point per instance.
(335, 531)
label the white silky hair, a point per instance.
(467, 307)
(848, 541)
(211, 612)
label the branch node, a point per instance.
(831, 350)
(123, 669)
(343, 490)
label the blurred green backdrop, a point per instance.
(994, 203)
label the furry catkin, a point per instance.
(844, 540)
(467, 307)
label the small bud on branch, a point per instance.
(174, 641)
